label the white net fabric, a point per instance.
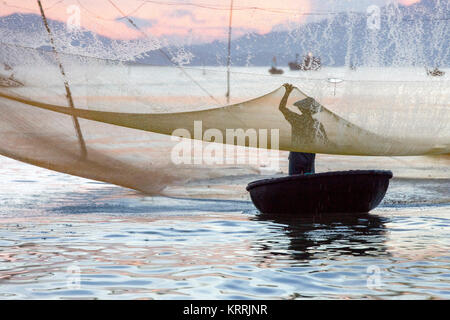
(83, 100)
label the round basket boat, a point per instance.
(331, 192)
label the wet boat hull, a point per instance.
(331, 192)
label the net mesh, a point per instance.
(97, 88)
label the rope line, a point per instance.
(165, 54)
(66, 83)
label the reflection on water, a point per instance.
(95, 241)
(223, 255)
(348, 234)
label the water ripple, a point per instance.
(95, 241)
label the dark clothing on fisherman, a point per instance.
(301, 163)
(306, 131)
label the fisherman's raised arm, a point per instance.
(283, 101)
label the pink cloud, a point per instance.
(204, 20)
(408, 2)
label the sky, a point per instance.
(185, 20)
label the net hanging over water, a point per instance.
(96, 88)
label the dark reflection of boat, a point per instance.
(274, 69)
(323, 236)
(435, 73)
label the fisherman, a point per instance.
(305, 131)
(307, 61)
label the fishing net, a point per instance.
(99, 89)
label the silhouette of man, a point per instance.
(308, 61)
(305, 130)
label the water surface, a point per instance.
(63, 237)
